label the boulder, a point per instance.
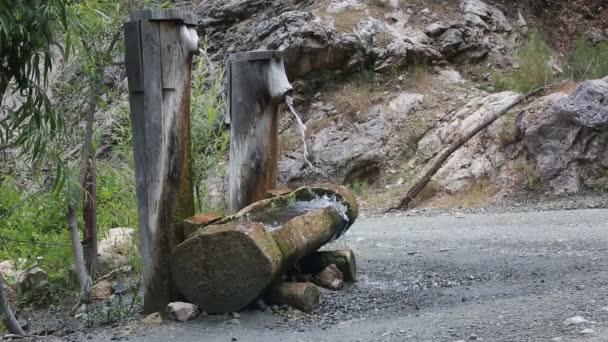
(406, 103)
(101, 291)
(182, 312)
(32, 282)
(567, 139)
(114, 250)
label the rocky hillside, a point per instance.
(385, 85)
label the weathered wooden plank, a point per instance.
(257, 89)
(156, 292)
(167, 14)
(171, 54)
(133, 60)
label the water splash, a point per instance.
(301, 128)
(277, 217)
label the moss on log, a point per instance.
(225, 267)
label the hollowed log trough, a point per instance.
(226, 265)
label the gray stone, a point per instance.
(575, 320)
(31, 282)
(406, 103)
(435, 29)
(451, 75)
(450, 41)
(563, 134)
(182, 312)
(344, 5)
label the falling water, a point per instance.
(301, 128)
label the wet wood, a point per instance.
(257, 86)
(192, 224)
(159, 50)
(301, 296)
(278, 191)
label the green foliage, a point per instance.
(588, 60)
(210, 139)
(29, 31)
(117, 204)
(32, 232)
(533, 59)
(358, 187)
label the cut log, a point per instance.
(316, 262)
(301, 296)
(225, 267)
(307, 233)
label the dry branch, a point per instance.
(426, 178)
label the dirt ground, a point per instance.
(486, 277)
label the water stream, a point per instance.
(301, 128)
(276, 217)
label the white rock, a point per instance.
(576, 320)
(181, 311)
(587, 332)
(113, 251)
(400, 181)
(425, 11)
(345, 5)
(406, 103)
(451, 75)
(152, 319)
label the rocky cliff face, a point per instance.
(383, 86)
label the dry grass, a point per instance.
(483, 191)
(507, 133)
(355, 99)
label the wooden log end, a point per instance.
(224, 268)
(301, 296)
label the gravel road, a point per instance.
(484, 277)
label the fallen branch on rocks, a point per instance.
(426, 178)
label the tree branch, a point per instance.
(426, 178)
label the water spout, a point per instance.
(301, 128)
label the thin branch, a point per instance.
(426, 178)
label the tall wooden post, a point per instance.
(159, 46)
(257, 86)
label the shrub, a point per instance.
(588, 60)
(210, 139)
(534, 70)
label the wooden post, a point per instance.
(159, 46)
(257, 85)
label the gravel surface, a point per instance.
(521, 276)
